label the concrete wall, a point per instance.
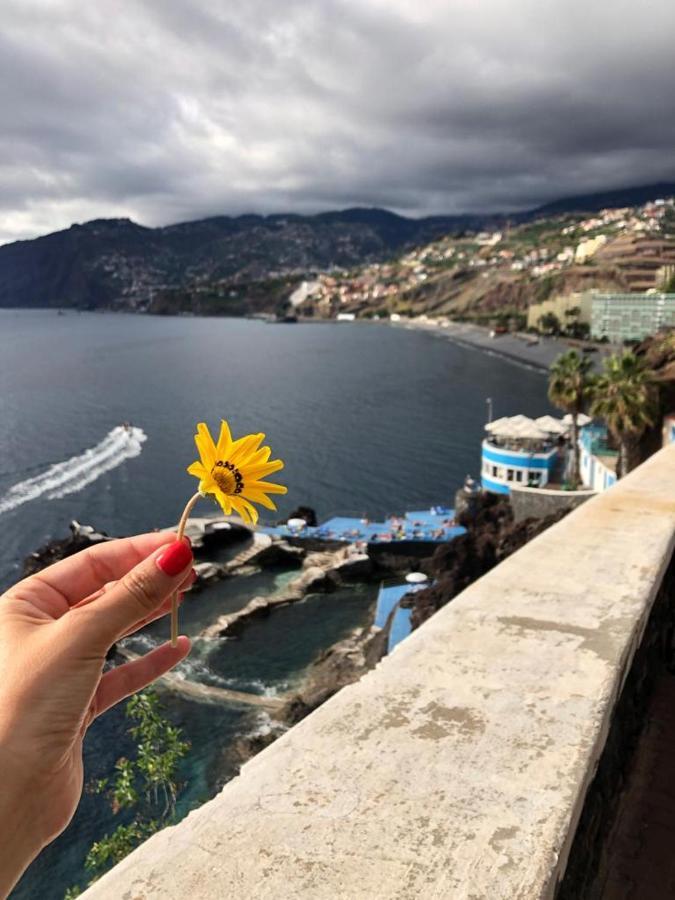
(542, 502)
(459, 767)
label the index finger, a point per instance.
(85, 572)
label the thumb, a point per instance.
(135, 596)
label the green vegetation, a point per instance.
(569, 388)
(625, 396)
(549, 323)
(146, 785)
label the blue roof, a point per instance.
(435, 525)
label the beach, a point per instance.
(517, 346)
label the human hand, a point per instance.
(56, 628)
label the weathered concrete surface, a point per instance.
(457, 768)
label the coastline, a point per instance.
(511, 347)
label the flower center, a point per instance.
(228, 477)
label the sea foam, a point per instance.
(71, 475)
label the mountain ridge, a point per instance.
(119, 263)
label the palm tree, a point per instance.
(569, 387)
(624, 395)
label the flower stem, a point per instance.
(174, 599)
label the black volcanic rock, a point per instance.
(492, 536)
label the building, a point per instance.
(520, 452)
(630, 317)
(561, 306)
(598, 461)
(517, 451)
(589, 247)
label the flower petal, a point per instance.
(224, 502)
(258, 497)
(262, 470)
(269, 487)
(242, 449)
(205, 445)
(224, 440)
(248, 513)
(197, 469)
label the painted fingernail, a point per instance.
(175, 558)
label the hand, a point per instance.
(56, 628)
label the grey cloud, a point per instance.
(173, 109)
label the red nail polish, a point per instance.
(175, 558)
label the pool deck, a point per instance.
(434, 525)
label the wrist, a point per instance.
(20, 839)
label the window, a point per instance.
(509, 474)
(519, 475)
(495, 471)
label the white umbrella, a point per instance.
(296, 524)
(582, 420)
(551, 425)
(416, 578)
(497, 424)
(529, 430)
(506, 427)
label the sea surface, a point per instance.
(369, 419)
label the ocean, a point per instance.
(369, 419)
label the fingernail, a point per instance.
(175, 558)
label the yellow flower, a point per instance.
(233, 471)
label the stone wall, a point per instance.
(461, 765)
(540, 502)
(587, 867)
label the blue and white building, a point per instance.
(520, 451)
(598, 460)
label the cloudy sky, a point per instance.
(167, 110)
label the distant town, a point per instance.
(609, 276)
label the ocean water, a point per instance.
(369, 420)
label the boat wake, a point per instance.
(71, 475)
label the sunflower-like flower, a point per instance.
(233, 471)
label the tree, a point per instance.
(625, 396)
(549, 323)
(147, 784)
(569, 388)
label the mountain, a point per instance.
(621, 197)
(233, 264)
(117, 263)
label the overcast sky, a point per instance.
(167, 110)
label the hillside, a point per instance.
(117, 263)
(496, 275)
(365, 261)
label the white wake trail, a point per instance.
(73, 474)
